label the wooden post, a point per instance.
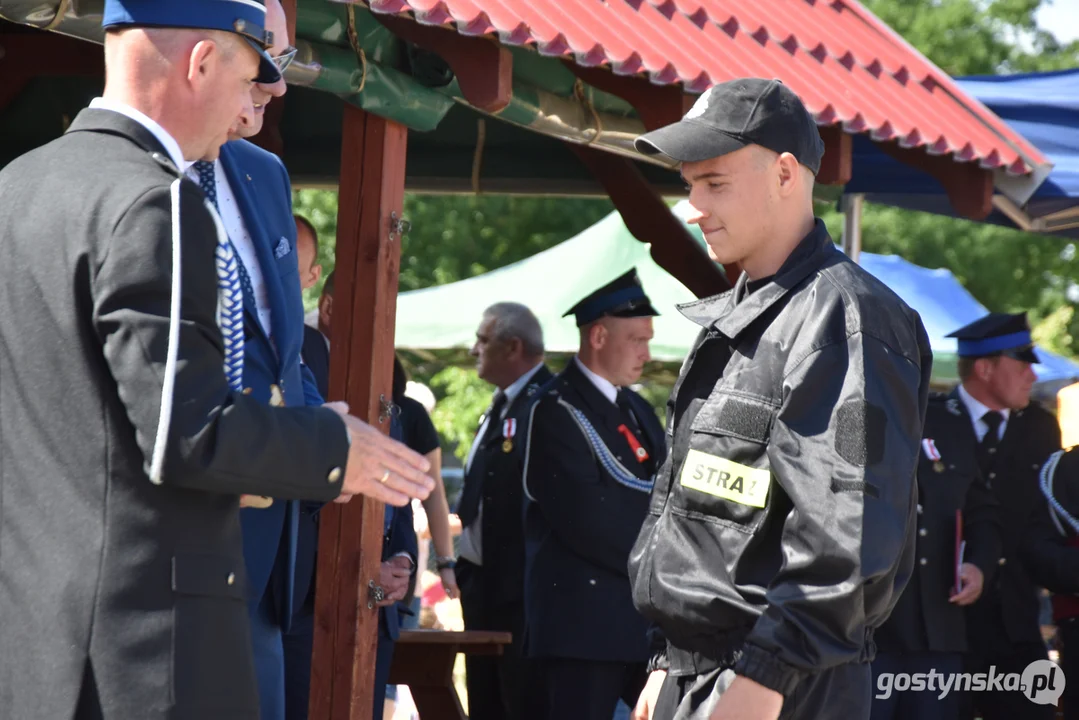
(649, 219)
(361, 369)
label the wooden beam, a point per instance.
(361, 369)
(651, 221)
(969, 186)
(835, 167)
(656, 105)
(484, 68)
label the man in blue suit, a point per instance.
(253, 195)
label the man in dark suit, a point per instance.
(593, 449)
(490, 566)
(1015, 438)
(926, 631)
(125, 444)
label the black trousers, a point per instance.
(1004, 704)
(502, 687)
(588, 689)
(892, 704)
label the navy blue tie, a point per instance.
(229, 289)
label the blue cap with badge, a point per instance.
(997, 334)
(246, 18)
(622, 297)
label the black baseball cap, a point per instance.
(737, 113)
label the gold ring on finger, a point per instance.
(385, 477)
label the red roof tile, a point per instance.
(846, 65)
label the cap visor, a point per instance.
(268, 72)
(687, 141)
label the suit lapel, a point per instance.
(244, 192)
(598, 404)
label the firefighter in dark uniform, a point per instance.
(593, 449)
(125, 435)
(926, 631)
(1014, 439)
(781, 530)
(1050, 552)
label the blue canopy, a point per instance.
(1043, 107)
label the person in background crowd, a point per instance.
(1050, 552)
(490, 566)
(926, 631)
(1014, 438)
(593, 449)
(781, 532)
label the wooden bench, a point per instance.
(424, 660)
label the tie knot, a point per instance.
(204, 167)
(993, 419)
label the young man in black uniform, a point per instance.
(926, 632)
(1050, 552)
(780, 532)
(593, 449)
(1014, 438)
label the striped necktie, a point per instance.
(229, 288)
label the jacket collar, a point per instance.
(596, 401)
(730, 316)
(112, 122)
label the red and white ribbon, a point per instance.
(509, 428)
(930, 448)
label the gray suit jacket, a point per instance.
(100, 567)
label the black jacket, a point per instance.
(580, 523)
(923, 619)
(1008, 610)
(98, 564)
(781, 530)
(1050, 558)
(494, 477)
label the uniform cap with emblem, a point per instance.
(731, 115)
(246, 18)
(997, 334)
(622, 297)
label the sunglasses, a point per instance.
(285, 59)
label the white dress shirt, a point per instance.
(976, 410)
(162, 135)
(233, 220)
(471, 546)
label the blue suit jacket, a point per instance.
(263, 192)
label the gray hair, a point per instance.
(514, 320)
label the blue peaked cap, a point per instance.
(246, 18)
(622, 297)
(997, 334)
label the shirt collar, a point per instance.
(602, 384)
(162, 135)
(519, 384)
(975, 406)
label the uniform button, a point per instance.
(923, 561)
(1002, 561)
(992, 476)
(919, 508)
(592, 582)
(992, 451)
(923, 532)
(231, 579)
(335, 475)
(247, 391)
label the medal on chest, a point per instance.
(931, 452)
(638, 450)
(509, 429)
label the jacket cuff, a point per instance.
(766, 669)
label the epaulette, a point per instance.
(166, 162)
